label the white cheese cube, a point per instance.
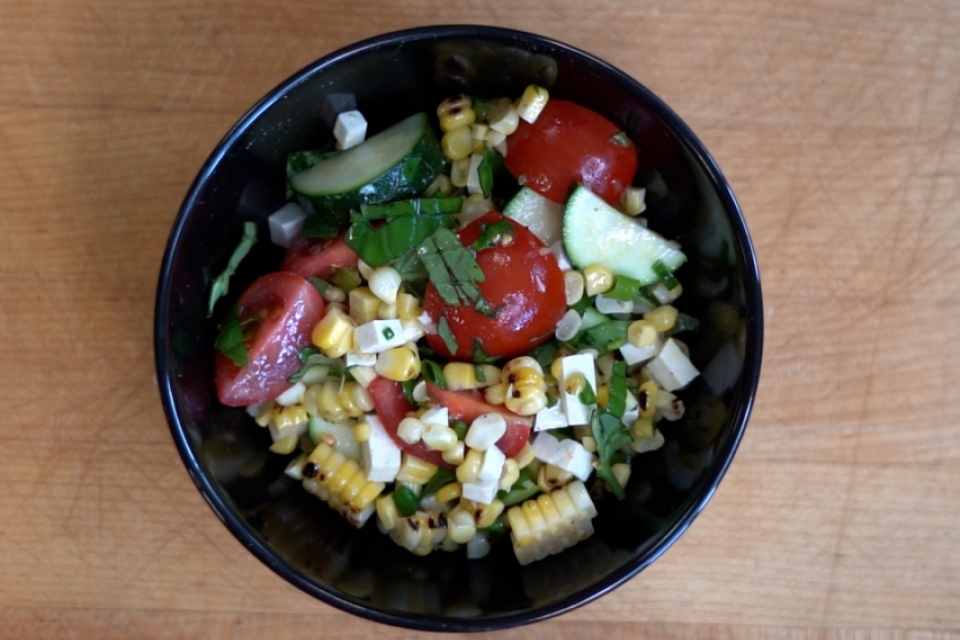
(567, 454)
(479, 492)
(355, 359)
(473, 174)
(379, 335)
(576, 411)
(350, 129)
(484, 489)
(436, 416)
(335, 104)
(612, 305)
(671, 368)
(550, 418)
(285, 223)
(484, 431)
(633, 355)
(363, 375)
(412, 329)
(429, 326)
(381, 455)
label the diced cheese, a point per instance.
(484, 431)
(412, 329)
(576, 411)
(550, 418)
(350, 129)
(363, 375)
(612, 305)
(473, 174)
(436, 416)
(479, 492)
(484, 489)
(634, 355)
(379, 335)
(381, 455)
(671, 368)
(567, 454)
(334, 105)
(355, 359)
(285, 223)
(291, 396)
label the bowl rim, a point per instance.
(750, 372)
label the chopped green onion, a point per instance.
(406, 500)
(221, 284)
(624, 288)
(438, 480)
(460, 428)
(667, 278)
(433, 373)
(479, 374)
(408, 386)
(322, 286)
(482, 306)
(495, 531)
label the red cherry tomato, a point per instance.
(318, 257)
(468, 406)
(284, 308)
(523, 284)
(569, 144)
(392, 407)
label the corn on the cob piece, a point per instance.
(341, 483)
(551, 522)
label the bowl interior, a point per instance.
(363, 572)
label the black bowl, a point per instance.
(363, 572)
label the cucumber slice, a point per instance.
(542, 216)
(596, 233)
(399, 162)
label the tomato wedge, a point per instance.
(523, 284)
(468, 406)
(318, 257)
(569, 144)
(392, 407)
(278, 311)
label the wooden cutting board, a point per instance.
(837, 124)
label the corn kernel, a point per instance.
(408, 307)
(469, 469)
(597, 278)
(647, 396)
(663, 317)
(363, 304)
(361, 431)
(459, 171)
(573, 287)
(574, 384)
(503, 117)
(410, 430)
(556, 369)
(438, 437)
(589, 443)
(496, 394)
(455, 454)
(457, 117)
(641, 333)
(328, 401)
(449, 492)
(457, 145)
(621, 472)
(398, 364)
(488, 514)
(285, 445)
(384, 283)
(642, 428)
(509, 475)
(551, 476)
(526, 399)
(335, 327)
(458, 101)
(460, 375)
(603, 395)
(632, 201)
(415, 470)
(460, 526)
(525, 456)
(441, 185)
(387, 513)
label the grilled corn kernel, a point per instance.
(573, 286)
(387, 514)
(441, 185)
(361, 431)
(410, 430)
(496, 393)
(458, 101)
(479, 132)
(532, 102)
(526, 399)
(285, 419)
(333, 329)
(509, 475)
(455, 454)
(488, 514)
(647, 396)
(460, 375)
(408, 307)
(438, 437)
(459, 170)
(457, 144)
(556, 369)
(597, 278)
(363, 304)
(286, 444)
(415, 470)
(328, 401)
(603, 395)
(342, 483)
(525, 456)
(457, 117)
(551, 476)
(642, 428)
(398, 364)
(574, 384)
(663, 317)
(632, 201)
(469, 469)
(449, 492)
(621, 472)
(641, 333)
(460, 526)
(521, 370)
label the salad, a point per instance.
(471, 336)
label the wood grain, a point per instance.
(837, 124)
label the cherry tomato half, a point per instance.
(280, 310)
(318, 257)
(523, 285)
(569, 144)
(468, 406)
(392, 407)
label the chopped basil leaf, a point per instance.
(617, 401)
(311, 357)
(460, 428)
(491, 234)
(667, 278)
(433, 373)
(621, 139)
(551, 400)
(479, 374)
(587, 395)
(545, 354)
(452, 267)
(438, 480)
(414, 207)
(484, 307)
(609, 434)
(305, 353)
(479, 353)
(605, 336)
(221, 285)
(378, 245)
(231, 340)
(449, 341)
(489, 165)
(408, 386)
(317, 226)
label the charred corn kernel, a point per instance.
(361, 431)
(551, 476)
(621, 472)
(534, 517)
(342, 483)
(551, 522)
(589, 443)
(496, 393)
(526, 399)
(532, 102)
(509, 475)
(519, 530)
(408, 307)
(525, 456)
(441, 185)
(288, 418)
(642, 428)
(384, 283)
(488, 514)
(286, 444)
(449, 492)
(458, 101)
(460, 526)
(647, 398)
(669, 406)
(520, 370)
(415, 470)
(457, 117)
(333, 329)
(573, 286)
(632, 201)
(457, 145)
(574, 384)
(597, 278)
(460, 375)
(469, 469)
(603, 395)
(455, 454)
(663, 317)
(641, 333)
(459, 171)
(438, 437)
(329, 406)
(398, 364)
(363, 304)
(410, 430)
(387, 514)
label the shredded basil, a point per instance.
(221, 284)
(433, 373)
(621, 139)
(609, 434)
(446, 334)
(587, 395)
(479, 374)
(452, 268)
(617, 401)
(491, 234)
(666, 277)
(480, 354)
(489, 165)
(438, 480)
(232, 341)
(318, 226)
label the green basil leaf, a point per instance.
(609, 435)
(452, 268)
(231, 340)
(221, 284)
(318, 226)
(433, 373)
(617, 402)
(480, 354)
(491, 234)
(489, 165)
(438, 480)
(479, 374)
(446, 334)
